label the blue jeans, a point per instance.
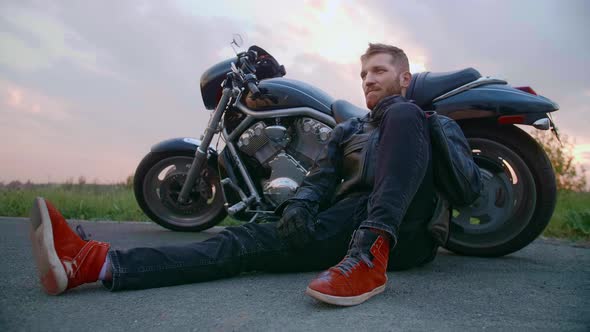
(404, 187)
(403, 160)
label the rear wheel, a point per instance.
(157, 184)
(518, 198)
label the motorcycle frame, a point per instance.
(231, 99)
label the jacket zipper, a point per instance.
(369, 147)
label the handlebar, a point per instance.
(254, 89)
(247, 74)
(248, 71)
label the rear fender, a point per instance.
(496, 101)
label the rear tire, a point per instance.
(519, 194)
(157, 182)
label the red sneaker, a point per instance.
(63, 259)
(359, 276)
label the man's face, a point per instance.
(381, 78)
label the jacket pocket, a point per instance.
(353, 146)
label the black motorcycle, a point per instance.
(274, 128)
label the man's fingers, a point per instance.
(296, 226)
(285, 224)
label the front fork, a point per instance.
(201, 153)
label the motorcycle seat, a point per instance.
(426, 86)
(343, 110)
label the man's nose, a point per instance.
(369, 80)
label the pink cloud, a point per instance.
(316, 4)
(20, 99)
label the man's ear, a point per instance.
(404, 79)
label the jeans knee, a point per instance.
(403, 113)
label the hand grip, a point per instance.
(254, 89)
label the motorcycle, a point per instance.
(274, 128)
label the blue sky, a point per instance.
(87, 87)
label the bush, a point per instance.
(129, 182)
(578, 222)
(569, 176)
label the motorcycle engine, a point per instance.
(287, 151)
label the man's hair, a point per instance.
(398, 57)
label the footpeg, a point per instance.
(236, 208)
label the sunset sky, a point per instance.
(86, 87)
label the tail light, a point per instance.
(511, 119)
(526, 89)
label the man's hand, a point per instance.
(298, 223)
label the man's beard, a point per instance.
(396, 89)
(393, 90)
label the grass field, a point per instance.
(571, 219)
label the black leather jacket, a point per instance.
(347, 167)
(347, 164)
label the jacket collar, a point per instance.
(384, 104)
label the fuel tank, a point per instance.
(292, 93)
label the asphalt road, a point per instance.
(545, 286)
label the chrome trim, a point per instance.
(478, 82)
(201, 153)
(229, 182)
(543, 124)
(261, 211)
(245, 175)
(295, 111)
(515, 91)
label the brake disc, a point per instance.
(170, 190)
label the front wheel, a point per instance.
(157, 184)
(518, 197)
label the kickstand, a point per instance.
(254, 217)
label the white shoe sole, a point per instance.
(51, 272)
(344, 301)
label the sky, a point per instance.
(87, 87)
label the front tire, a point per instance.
(519, 193)
(157, 183)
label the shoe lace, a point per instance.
(352, 259)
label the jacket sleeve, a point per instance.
(324, 176)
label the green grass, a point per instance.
(571, 219)
(75, 201)
(88, 201)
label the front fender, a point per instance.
(184, 144)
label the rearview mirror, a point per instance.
(237, 40)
